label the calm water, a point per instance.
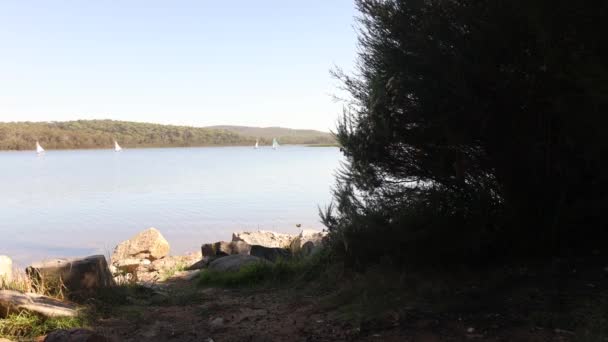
(79, 202)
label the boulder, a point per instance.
(175, 262)
(204, 262)
(233, 263)
(270, 253)
(184, 275)
(264, 238)
(75, 335)
(307, 242)
(15, 302)
(6, 269)
(309, 235)
(76, 274)
(149, 244)
(224, 248)
(144, 271)
(131, 265)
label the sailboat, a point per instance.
(117, 147)
(39, 148)
(256, 144)
(275, 144)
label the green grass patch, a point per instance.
(168, 273)
(29, 326)
(280, 272)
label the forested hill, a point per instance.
(284, 135)
(102, 133)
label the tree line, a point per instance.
(102, 133)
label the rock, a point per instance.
(309, 235)
(149, 244)
(216, 323)
(173, 262)
(75, 335)
(123, 279)
(264, 238)
(6, 269)
(131, 265)
(144, 271)
(270, 253)
(224, 248)
(76, 274)
(185, 275)
(233, 263)
(199, 264)
(15, 302)
(146, 276)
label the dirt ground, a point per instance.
(284, 315)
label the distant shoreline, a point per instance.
(99, 134)
(166, 147)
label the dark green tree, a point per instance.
(475, 128)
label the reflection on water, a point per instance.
(70, 203)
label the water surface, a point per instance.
(79, 202)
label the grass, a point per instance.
(21, 282)
(29, 326)
(168, 273)
(258, 274)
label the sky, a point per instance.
(198, 63)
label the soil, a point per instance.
(286, 315)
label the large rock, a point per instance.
(224, 248)
(309, 235)
(15, 302)
(149, 244)
(75, 335)
(131, 265)
(175, 262)
(308, 242)
(146, 271)
(233, 263)
(270, 253)
(6, 269)
(264, 238)
(76, 274)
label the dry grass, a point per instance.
(27, 326)
(21, 282)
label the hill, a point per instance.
(284, 135)
(102, 133)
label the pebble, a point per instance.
(217, 322)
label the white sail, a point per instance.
(117, 147)
(256, 144)
(275, 144)
(39, 148)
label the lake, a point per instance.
(82, 202)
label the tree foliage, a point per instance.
(475, 129)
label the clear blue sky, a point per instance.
(241, 62)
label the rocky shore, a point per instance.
(144, 260)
